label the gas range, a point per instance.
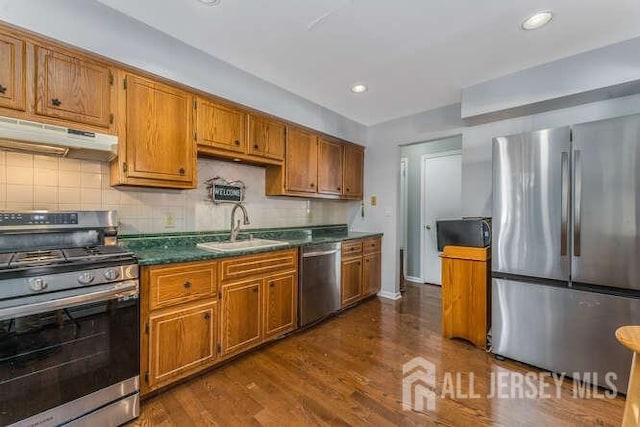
(69, 319)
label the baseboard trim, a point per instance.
(414, 279)
(390, 295)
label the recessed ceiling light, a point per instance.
(537, 20)
(210, 2)
(359, 88)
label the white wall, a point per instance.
(95, 27)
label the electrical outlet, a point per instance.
(374, 200)
(169, 220)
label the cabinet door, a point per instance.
(371, 275)
(12, 81)
(180, 341)
(351, 280)
(302, 161)
(159, 141)
(281, 298)
(329, 167)
(266, 137)
(241, 316)
(72, 88)
(353, 172)
(221, 126)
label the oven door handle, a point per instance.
(126, 289)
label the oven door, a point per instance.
(61, 349)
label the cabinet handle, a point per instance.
(187, 284)
(207, 316)
(56, 102)
(236, 142)
(2, 89)
(182, 171)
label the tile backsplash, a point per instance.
(41, 182)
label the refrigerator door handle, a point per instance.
(564, 224)
(577, 196)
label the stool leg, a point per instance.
(632, 406)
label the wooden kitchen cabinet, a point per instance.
(361, 269)
(281, 304)
(329, 167)
(156, 146)
(220, 127)
(351, 287)
(12, 72)
(73, 88)
(266, 137)
(301, 161)
(241, 316)
(353, 172)
(180, 340)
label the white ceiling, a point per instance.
(414, 55)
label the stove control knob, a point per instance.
(111, 274)
(85, 278)
(38, 284)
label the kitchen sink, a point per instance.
(240, 245)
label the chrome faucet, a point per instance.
(236, 229)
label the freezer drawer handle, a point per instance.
(564, 224)
(577, 214)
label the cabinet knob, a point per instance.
(338, 188)
(271, 284)
(207, 316)
(312, 185)
(348, 189)
(367, 260)
(236, 142)
(56, 102)
(255, 289)
(182, 171)
(255, 146)
(2, 89)
(187, 284)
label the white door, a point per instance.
(441, 199)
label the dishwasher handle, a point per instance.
(319, 253)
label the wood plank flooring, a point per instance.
(348, 371)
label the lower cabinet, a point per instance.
(181, 340)
(193, 315)
(361, 269)
(241, 320)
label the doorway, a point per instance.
(441, 199)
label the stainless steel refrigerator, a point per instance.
(566, 247)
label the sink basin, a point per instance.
(240, 245)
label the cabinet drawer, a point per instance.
(351, 248)
(252, 265)
(182, 283)
(372, 245)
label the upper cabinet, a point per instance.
(329, 167)
(220, 127)
(12, 73)
(73, 88)
(301, 161)
(353, 172)
(156, 146)
(266, 137)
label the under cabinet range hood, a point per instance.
(39, 138)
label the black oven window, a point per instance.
(56, 357)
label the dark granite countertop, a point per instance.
(153, 249)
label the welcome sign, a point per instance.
(222, 191)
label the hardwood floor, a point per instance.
(348, 371)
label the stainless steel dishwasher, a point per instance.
(319, 293)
